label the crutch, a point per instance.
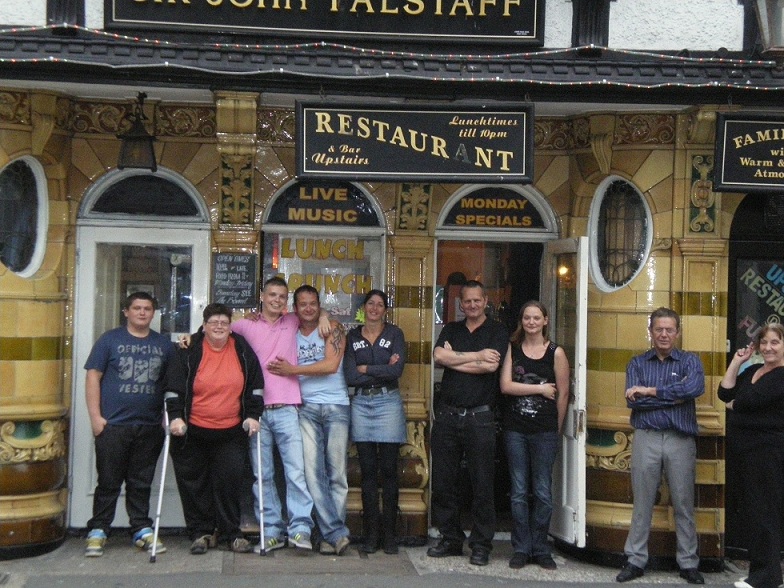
(245, 426)
(166, 443)
(262, 544)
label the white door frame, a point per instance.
(569, 500)
(82, 475)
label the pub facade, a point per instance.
(562, 151)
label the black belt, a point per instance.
(465, 411)
(373, 390)
(275, 406)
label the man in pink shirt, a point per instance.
(272, 336)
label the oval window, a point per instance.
(23, 216)
(620, 225)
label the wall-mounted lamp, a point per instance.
(136, 149)
(770, 16)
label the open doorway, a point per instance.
(755, 275)
(511, 273)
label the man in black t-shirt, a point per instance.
(470, 351)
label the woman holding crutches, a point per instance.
(219, 385)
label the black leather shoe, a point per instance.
(518, 560)
(546, 562)
(629, 572)
(390, 545)
(692, 576)
(479, 556)
(369, 545)
(445, 549)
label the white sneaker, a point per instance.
(743, 584)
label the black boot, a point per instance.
(371, 536)
(390, 527)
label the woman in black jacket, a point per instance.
(755, 437)
(218, 385)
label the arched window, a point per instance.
(621, 231)
(23, 216)
(146, 195)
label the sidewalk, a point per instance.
(122, 565)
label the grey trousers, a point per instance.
(675, 454)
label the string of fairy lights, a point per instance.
(465, 59)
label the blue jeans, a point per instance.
(280, 426)
(325, 441)
(531, 458)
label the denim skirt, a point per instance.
(378, 418)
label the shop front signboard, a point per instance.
(392, 143)
(749, 152)
(760, 297)
(461, 21)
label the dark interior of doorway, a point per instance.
(511, 272)
(757, 233)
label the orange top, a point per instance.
(217, 389)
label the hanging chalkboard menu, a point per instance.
(235, 279)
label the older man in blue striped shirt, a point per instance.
(661, 385)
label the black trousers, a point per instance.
(375, 458)
(472, 437)
(763, 478)
(125, 454)
(209, 466)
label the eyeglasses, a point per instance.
(218, 323)
(664, 331)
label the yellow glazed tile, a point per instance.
(8, 320)
(87, 161)
(697, 333)
(201, 164)
(602, 329)
(38, 381)
(554, 175)
(633, 331)
(601, 387)
(623, 298)
(176, 155)
(700, 276)
(7, 379)
(410, 270)
(660, 200)
(657, 167)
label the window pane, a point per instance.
(622, 233)
(147, 195)
(18, 215)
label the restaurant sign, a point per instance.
(749, 153)
(494, 207)
(392, 143)
(462, 21)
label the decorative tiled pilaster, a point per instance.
(236, 133)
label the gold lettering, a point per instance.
(364, 127)
(464, 4)
(507, 4)
(418, 7)
(214, 2)
(366, 3)
(322, 118)
(344, 127)
(286, 251)
(482, 6)
(241, 3)
(386, 10)
(398, 138)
